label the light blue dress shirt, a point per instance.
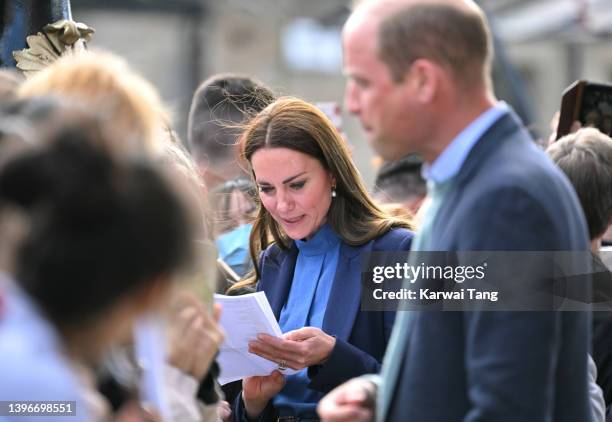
(448, 164)
(33, 365)
(313, 277)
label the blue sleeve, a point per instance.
(347, 361)
(239, 412)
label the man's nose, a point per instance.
(351, 102)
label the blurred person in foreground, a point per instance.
(104, 84)
(193, 333)
(83, 269)
(419, 80)
(137, 122)
(315, 225)
(10, 79)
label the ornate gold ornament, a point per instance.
(55, 40)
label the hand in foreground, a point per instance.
(257, 391)
(224, 411)
(195, 337)
(133, 411)
(297, 349)
(355, 400)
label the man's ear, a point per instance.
(424, 78)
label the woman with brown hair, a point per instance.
(315, 225)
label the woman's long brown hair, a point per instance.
(297, 125)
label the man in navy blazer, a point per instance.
(418, 78)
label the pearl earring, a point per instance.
(333, 192)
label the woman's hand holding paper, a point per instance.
(297, 349)
(257, 391)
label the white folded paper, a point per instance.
(242, 318)
(150, 351)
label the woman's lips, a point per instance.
(291, 221)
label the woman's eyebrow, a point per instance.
(287, 180)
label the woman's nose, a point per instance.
(284, 202)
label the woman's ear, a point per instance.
(332, 180)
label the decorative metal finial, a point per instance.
(55, 40)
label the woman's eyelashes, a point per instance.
(268, 190)
(297, 185)
(265, 189)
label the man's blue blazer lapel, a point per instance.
(501, 132)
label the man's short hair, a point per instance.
(586, 159)
(457, 39)
(220, 104)
(401, 180)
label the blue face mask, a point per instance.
(233, 248)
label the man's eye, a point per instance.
(361, 83)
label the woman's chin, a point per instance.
(297, 234)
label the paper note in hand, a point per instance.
(150, 351)
(242, 318)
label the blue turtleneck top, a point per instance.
(305, 307)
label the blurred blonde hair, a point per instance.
(187, 179)
(104, 84)
(10, 79)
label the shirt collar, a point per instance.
(321, 242)
(448, 164)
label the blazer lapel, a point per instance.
(501, 131)
(345, 295)
(489, 142)
(280, 284)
